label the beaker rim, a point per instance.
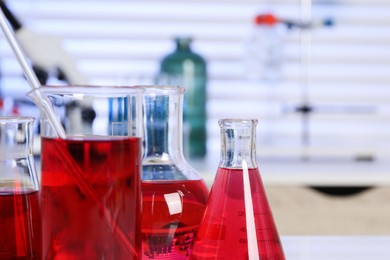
(15, 119)
(87, 89)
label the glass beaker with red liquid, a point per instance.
(238, 222)
(173, 193)
(20, 219)
(90, 184)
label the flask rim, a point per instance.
(86, 89)
(163, 89)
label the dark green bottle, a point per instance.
(188, 69)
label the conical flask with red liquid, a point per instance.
(237, 223)
(174, 195)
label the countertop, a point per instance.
(310, 171)
(336, 247)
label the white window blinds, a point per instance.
(340, 74)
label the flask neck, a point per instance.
(163, 123)
(183, 44)
(238, 143)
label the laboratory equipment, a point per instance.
(91, 178)
(173, 193)
(263, 54)
(238, 222)
(46, 52)
(186, 68)
(20, 219)
(264, 48)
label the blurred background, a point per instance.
(315, 73)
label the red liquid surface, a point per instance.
(223, 232)
(20, 226)
(165, 234)
(74, 225)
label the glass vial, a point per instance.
(238, 222)
(187, 68)
(20, 220)
(173, 193)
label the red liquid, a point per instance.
(222, 234)
(74, 226)
(166, 235)
(20, 226)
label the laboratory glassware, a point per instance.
(187, 68)
(90, 182)
(20, 219)
(174, 194)
(238, 222)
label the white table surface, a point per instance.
(336, 248)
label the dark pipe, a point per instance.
(14, 22)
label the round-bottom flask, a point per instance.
(174, 195)
(238, 222)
